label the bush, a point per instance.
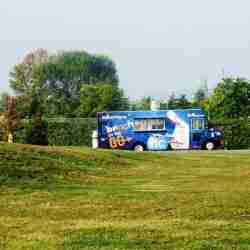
(59, 132)
(71, 132)
(19, 133)
(236, 133)
(37, 132)
(77, 132)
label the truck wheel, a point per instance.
(139, 148)
(210, 146)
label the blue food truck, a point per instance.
(155, 130)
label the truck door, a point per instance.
(197, 128)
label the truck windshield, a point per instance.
(198, 124)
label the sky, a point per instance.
(159, 47)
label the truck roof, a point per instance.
(152, 111)
(195, 112)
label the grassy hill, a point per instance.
(77, 198)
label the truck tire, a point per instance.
(169, 148)
(139, 148)
(210, 146)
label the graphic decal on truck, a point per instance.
(158, 142)
(118, 141)
(154, 130)
(180, 135)
(116, 138)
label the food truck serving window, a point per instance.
(149, 124)
(198, 123)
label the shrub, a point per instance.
(236, 133)
(60, 132)
(71, 132)
(37, 132)
(77, 132)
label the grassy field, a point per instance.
(77, 198)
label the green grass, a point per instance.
(78, 198)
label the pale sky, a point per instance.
(159, 46)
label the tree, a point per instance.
(183, 102)
(201, 96)
(164, 105)
(172, 102)
(2, 100)
(101, 97)
(178, 102)
(230, 100)
(21, 78)
(142, 104)
(22, 82)
(65, 73)
(60, 77)
(9, 119)
(37, 132)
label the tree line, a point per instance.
(75, 84)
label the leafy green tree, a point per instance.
(36, 132)
(183, 102)
(178, 102)
(142, 104)
(22, 82)
(200, 97)
(21, 76)
(59, 78)
(164, 105)
(101, 97)
(63, 76)
(172, 102)
(2, 100)
(230, 100)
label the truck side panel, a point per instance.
(120, 130)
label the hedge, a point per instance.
(77, 132)
(71, 132)
(236, 133)
(61, 131)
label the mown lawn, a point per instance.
(77, 198)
